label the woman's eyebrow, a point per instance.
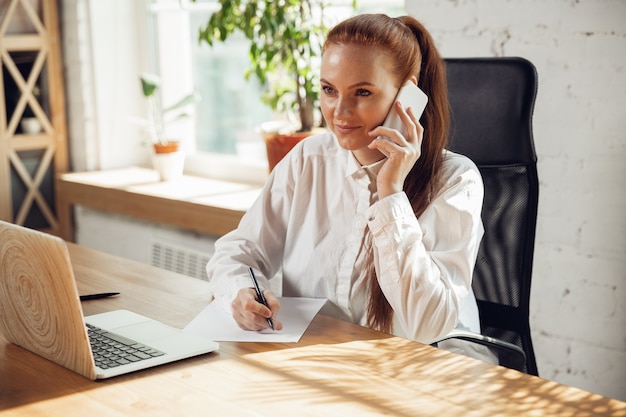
(356, 85)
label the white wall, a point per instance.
(578, 301)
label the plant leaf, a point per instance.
(185, 101)
(149, 83)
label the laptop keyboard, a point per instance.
(111, 350)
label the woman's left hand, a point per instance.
(402, 152)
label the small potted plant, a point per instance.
(168, 159)
(285, 54)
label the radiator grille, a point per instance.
(180, 259)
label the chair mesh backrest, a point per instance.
(500, 268)
(492, 101)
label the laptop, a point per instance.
(40, 311)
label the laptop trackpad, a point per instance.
(152, 333)
(167, 339)
(147, 331)
(134, 326)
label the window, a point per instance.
(230, 112)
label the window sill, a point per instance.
(224, 167)
(206, 205)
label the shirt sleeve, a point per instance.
(424, 266)
(258, 241)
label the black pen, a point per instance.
(260, 296)
(98, 296)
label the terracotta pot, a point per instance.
(166, 147)
(279, 144)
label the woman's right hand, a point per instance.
(402, 151)
(250, 314)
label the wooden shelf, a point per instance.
(31, 78)
(30, 42)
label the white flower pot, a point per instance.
(169, 165)
(30, 125)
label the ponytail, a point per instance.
(422, 182)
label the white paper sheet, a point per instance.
(295, 313)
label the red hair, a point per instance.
(414, 54)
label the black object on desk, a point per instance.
(260, 296)
(98, 296)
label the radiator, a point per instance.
(180, 259)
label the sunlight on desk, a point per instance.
(334, 370)
(337, 369)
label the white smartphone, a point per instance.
(411, 96)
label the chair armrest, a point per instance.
(509, 355)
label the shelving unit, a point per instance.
(31, 86)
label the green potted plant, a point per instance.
(285, 52)
(168, 159)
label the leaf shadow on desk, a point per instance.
(430, 381)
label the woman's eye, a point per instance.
(327, 90)
(363, 93)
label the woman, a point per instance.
(390, 241)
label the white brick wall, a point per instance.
(578, 299)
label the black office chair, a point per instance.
(492, 102)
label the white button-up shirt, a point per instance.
(310, 223)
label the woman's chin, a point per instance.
(353, 142)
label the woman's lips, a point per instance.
(345, 129)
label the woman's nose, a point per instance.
(343, 106)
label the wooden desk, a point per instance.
(337, 369)
(194, 203)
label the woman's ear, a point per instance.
(412, 78)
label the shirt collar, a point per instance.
(354, 166)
